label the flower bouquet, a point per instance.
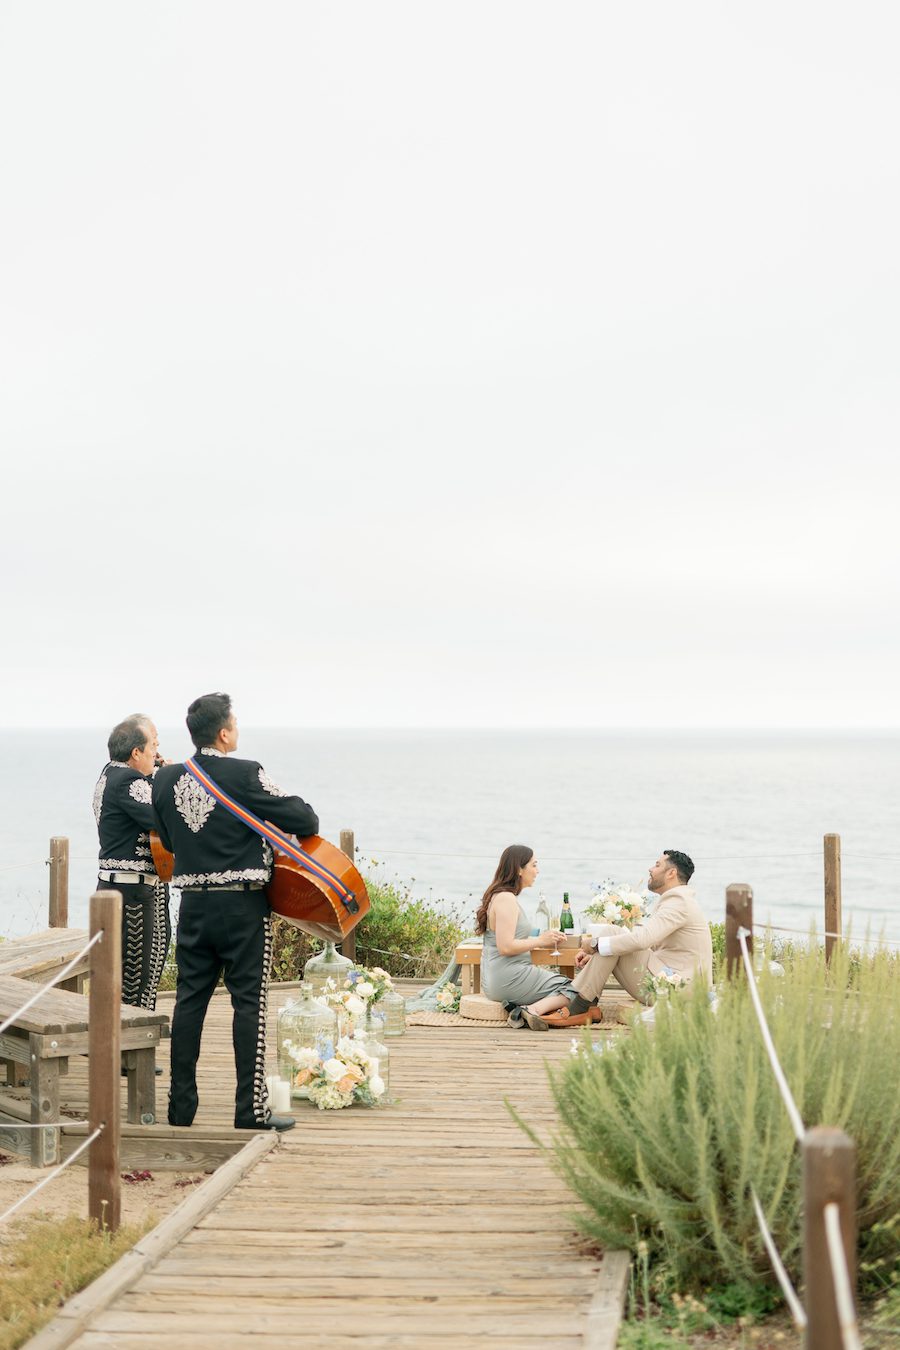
(618, 903)
(334, 1081)
(447, 997)
(654, 987)
(361, 990)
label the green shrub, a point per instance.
(664, 1133)
(403, 935)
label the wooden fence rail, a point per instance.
(829, 1167)
(104, 1060)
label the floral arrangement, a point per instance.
(334, 1081)
(618, 903)
(653, 987)
(447, 997)
(361, 990)
(370, 984)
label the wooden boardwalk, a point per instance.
(431, 1220)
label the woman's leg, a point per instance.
(549, 1003)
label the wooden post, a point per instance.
(104, 1062)
(832, 891)
(348, 846)
(829, 1175)
(59, 882)
(738, 914)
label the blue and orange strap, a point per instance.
(275, 837)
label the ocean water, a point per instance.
(434, 809)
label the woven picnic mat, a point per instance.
(615, 1009)
(442, 1019)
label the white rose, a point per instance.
(334, 1069)
(306, 1058)
(376, 1086)
(355, 1006)
(364, 989)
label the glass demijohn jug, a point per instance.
(328, 964)
(371, 1037)
(393, 1009)
(307, 1023)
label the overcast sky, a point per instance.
(451, 364)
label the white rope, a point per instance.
(579, 858)
(804, 932)
(13, 1124)
(790, 1293)
(791, 1105)
(43, 989)
(843, 1294)
(55, 1173)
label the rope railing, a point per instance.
(791, 1297)
(806, 932)
(847, 1327)
(76, 1153)
(786, 1094)
(843, 1292)
(45, 988)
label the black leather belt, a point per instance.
(130, 878)
(235, 886)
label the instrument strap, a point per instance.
(275, 836)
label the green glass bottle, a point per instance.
(566, 917)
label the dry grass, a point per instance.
(46, 1261)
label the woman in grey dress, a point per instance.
(507, 972)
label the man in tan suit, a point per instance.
(674, 939)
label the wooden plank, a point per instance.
(431, 1235)
(68, 1323)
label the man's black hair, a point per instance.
(682, 864)
(131, 734)
(206, 716)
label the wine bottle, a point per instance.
(542, 915)
(566, 917)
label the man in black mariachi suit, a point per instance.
(222, 867)
(124, 816)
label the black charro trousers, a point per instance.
(227, 933)
(146, 934)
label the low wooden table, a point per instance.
(46, 1036)
(468, 954)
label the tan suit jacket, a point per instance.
(676, 934)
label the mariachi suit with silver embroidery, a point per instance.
(124, 815)
(224, 926)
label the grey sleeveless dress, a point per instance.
(513, 979)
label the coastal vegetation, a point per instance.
(45, 1261)
(403, 935)
(664, 1132)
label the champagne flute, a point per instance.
(554, 923)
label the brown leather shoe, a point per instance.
(564, 1018)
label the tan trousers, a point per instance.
(629, 970)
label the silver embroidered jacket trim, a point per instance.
(98, 796)
(140, 791)
(126, 865)
(267, 785)
(209, 750)
(220, 878)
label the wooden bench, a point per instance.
(44, 1037)
(39, 955)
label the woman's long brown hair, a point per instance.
(506, 878)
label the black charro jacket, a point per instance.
(124, 817)
(211, 846)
